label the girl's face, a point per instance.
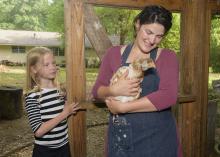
(149, 36)
(46, 68)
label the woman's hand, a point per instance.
(115, 106)
(71, 108)
(125, 86)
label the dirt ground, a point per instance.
(16, 138)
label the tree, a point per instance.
(55, 18)
(215, 44)
(23, 14)
(172, 40)
(118, 22)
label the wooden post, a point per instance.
(75, 66)
(194, 76)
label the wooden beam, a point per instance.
(173, 5)
(96, 32)
(75, 66)
(195, 27)
(182, 99)
(186, 98)
(214, 5)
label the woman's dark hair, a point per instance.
(155, 14)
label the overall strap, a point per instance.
(153, 53)
(126, 53)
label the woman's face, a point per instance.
(149, 36)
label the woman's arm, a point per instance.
(140, 105)
(110, 63)
(101, 89)
(123, 87)
(163, 98)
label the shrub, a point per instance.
(92, 62)
(214, 60)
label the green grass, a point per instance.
(15, 76)
(213, 76)
(11, 79)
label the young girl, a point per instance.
(45, 105)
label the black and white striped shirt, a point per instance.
(41, 107)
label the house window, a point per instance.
(18, 49)
(57, 51)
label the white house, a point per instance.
(14, 44)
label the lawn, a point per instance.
(15, 76)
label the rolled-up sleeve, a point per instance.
(168, 70)
(110, 62)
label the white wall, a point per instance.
(6, 54)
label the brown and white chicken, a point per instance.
(135, 70)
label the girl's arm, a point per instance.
(47, 126)
(40, 128)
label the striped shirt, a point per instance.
(41, 107)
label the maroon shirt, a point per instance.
(167, 68)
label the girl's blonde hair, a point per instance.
(34, 56)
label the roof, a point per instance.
(33, 38)
(29, 38)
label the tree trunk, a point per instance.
(11, 102)
(95, 32)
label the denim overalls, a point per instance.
(144, 134)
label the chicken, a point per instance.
(135, 70)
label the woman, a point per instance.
(144, 127)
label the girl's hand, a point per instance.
(115, 106)
(71, 108)
(125, 86)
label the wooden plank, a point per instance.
(182, 99)
(194, 76)
(95, 32)
(214, 5)
(174, 5)
(76, 81)
(186, 98)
